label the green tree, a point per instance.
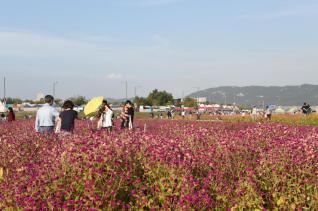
(189, 102)
(141, 101)
(10, 100)
(160, 98)
(39, 101)
(29, 101)
(78, 100)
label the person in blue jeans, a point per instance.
(46, 116)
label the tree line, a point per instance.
(154, 98)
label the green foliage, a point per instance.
(10, 100)
(78, 100)
(141, 101)
(156, 97)
(160, 98)
(189, 102)
(38, 101)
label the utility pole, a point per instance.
(135, 89)
(126, 90)
(54, 85)
(196, 88)
(4, 90)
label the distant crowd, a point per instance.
(50, 120)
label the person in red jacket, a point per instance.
(10, 115)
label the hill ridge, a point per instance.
(289, 95)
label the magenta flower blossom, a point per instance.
(174, 165)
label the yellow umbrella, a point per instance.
(93, 105)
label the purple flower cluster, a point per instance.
(177, 165)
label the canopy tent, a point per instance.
(279, 110)
(293, 110)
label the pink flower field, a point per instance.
(173, 165)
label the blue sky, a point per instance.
(90, 47)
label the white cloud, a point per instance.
(32, 45)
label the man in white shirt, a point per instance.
(46, 116)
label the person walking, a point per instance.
(67, 117)
(306, 108)
(10, 115)
(169, 114)
(46, 116)
(254, 113)
(183, 114)
(198, 115)
(268, 113)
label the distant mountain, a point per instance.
(259, 95)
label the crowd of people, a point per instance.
(49, 120)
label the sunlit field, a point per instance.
(299, 119)
(162, 164)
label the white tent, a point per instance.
(293, 109)
(279, 110)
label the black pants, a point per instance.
(124, 123)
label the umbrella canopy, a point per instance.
(93, 105)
